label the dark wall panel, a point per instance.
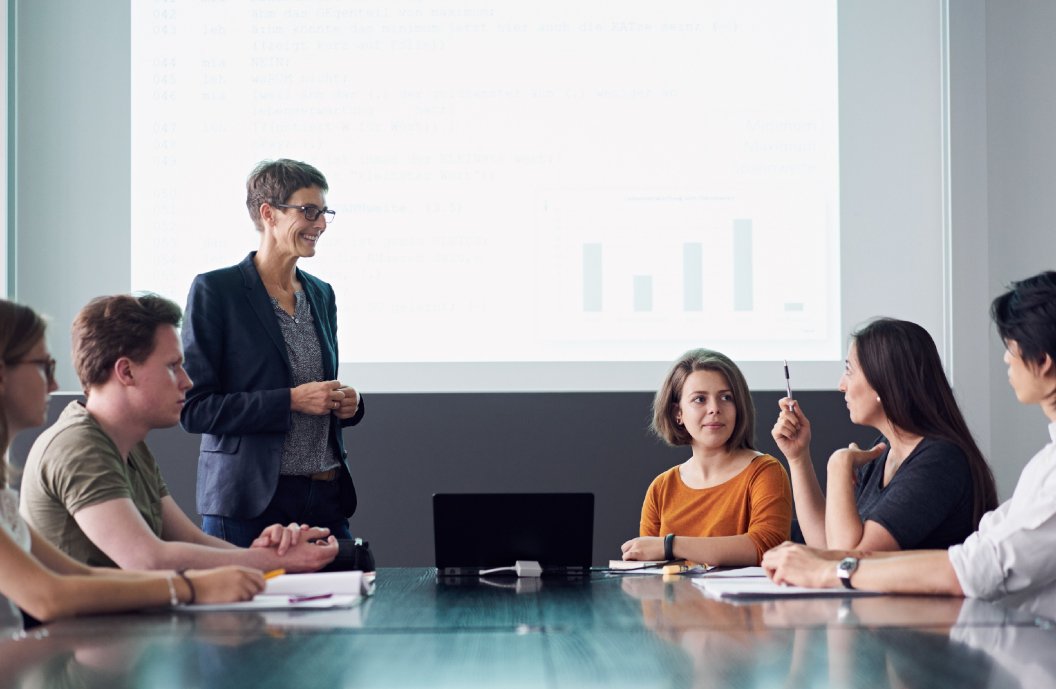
(410, 446)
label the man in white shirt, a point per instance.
(1013, 554)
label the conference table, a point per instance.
(610, 630)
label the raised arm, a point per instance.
(792, 434)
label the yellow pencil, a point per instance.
(274, 573)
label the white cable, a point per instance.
(523, 568)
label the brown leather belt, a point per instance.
(328, 475)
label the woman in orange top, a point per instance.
(727, 504)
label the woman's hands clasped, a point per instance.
(326, 397)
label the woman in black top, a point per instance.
(925, 484)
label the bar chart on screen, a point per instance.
(654, 268)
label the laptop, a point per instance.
(480, 531)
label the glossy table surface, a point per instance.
(609, 630)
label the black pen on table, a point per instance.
(302, 599)
(788, 388)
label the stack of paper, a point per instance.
(640, 566)
(734, 584)
(302, 592)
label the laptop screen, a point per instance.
(475, 531)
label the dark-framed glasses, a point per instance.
(311, 213)
(47, 366)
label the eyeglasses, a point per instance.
(47, 366)
(311, 213)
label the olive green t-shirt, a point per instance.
(75, 464)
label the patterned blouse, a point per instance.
(309, 448)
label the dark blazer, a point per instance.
(240, 401)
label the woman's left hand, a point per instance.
(855, 456)
(349, 405)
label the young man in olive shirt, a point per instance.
(91, 485)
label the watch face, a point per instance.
(845, 568)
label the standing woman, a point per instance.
(260, 340)
(727, 504)
(35, 575)
(925, 485)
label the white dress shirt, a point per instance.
(1013, 554)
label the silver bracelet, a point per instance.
(174, 600)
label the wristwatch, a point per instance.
(845, 569)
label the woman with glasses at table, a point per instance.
(35, 575)
(727, 504)
(924, 484)
(260, 341)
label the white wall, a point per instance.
(1003, 170)
(969, 242)
(69, 199)
(1021, 195)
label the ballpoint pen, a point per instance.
(302, 599)
(788, 388)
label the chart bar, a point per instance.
(742, 265)
(592, 277)
(693, 276)
(643, 292)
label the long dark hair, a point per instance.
(901, 362)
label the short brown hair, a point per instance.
(667, 397)
(275, 181)
(110, 328)
(21, 328)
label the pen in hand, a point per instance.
(788, 388)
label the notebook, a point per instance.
(480, 531)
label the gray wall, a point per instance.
(1021, 186)
(411, 446)
(1003, 169)
(70, 226)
